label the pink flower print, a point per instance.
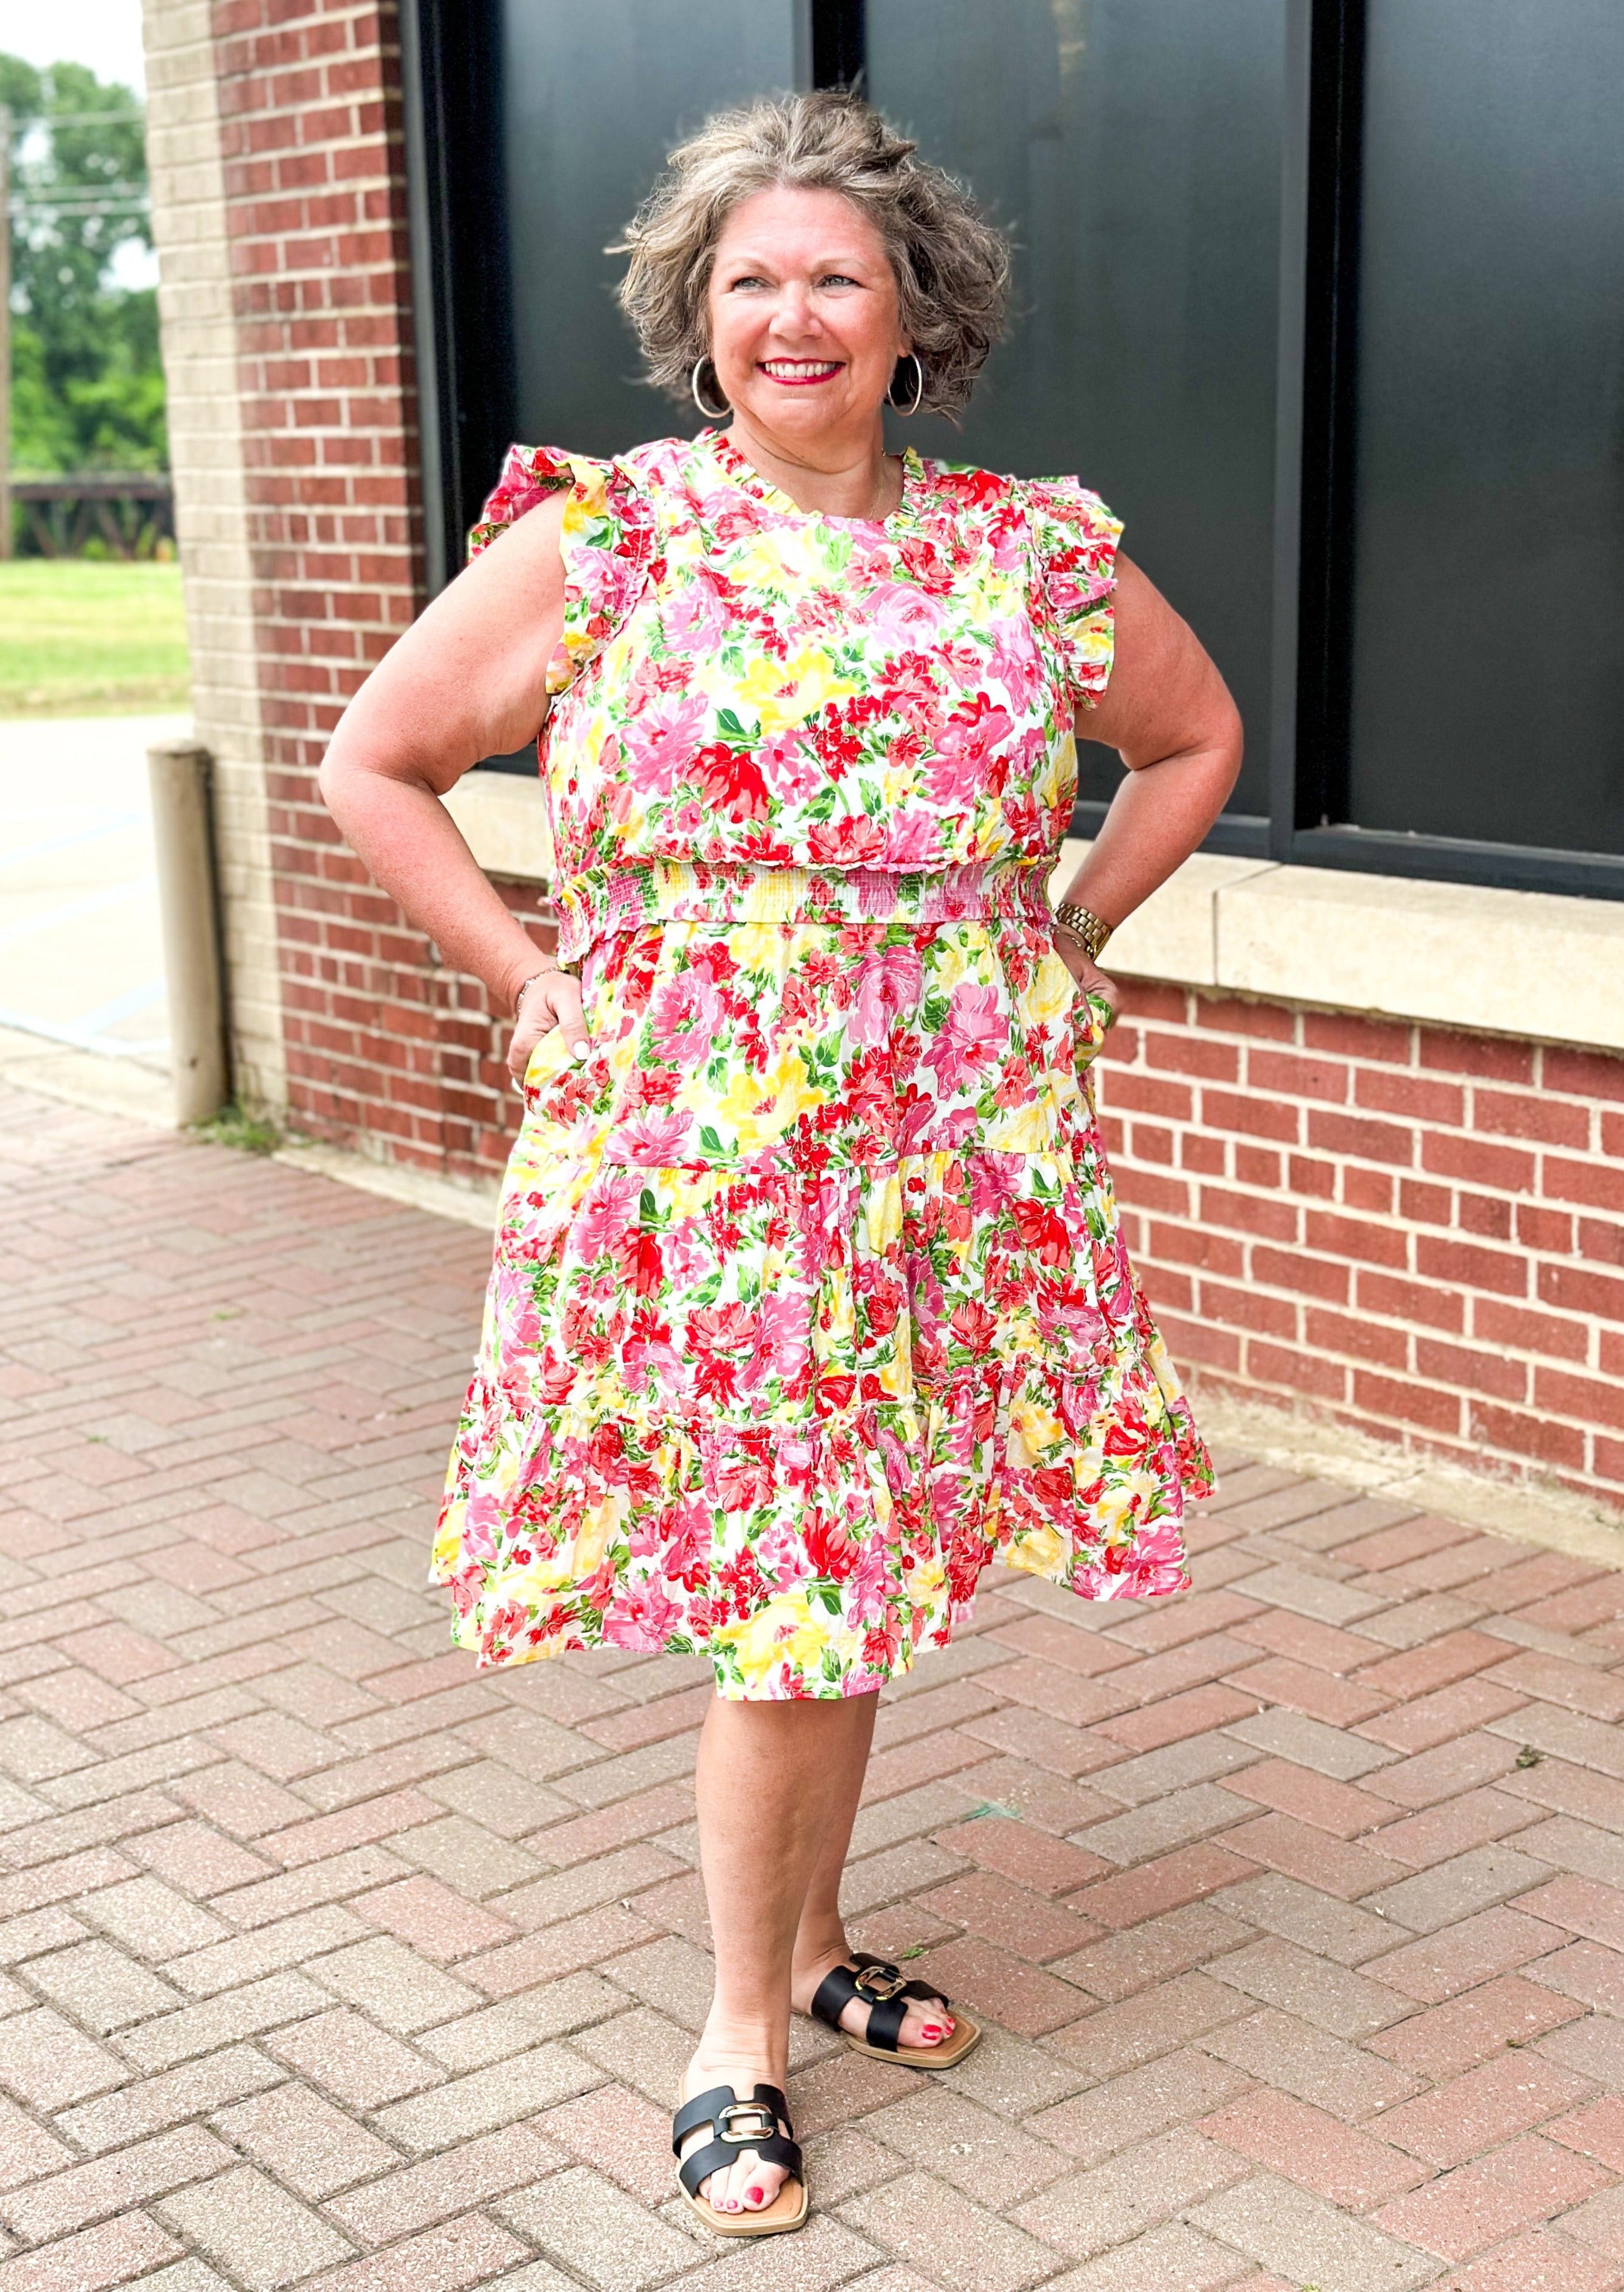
(641, 1616)
(607, 1211)
(913, 839)
(516, 1307)
(782, 1558)
(964, 746)
(898, 614)
(996, 1181)
(866, 1586)
(1015, 663)
(651, 1142)
(683, 1018)
(481, 1523)
(846, 843)
(970, 1038)
(790, 765)
(694, 619)
(688, 1550)
(661, 740)
(889, 980)
(781, 1344)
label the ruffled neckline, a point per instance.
(749, 479)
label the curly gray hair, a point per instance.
(951, 264)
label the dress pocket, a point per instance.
(1091, 1017)
(549, 1055)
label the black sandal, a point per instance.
(735, 2127)
(876, 1984)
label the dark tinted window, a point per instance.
(1135, 147)
(1488, 652)
(594, 96)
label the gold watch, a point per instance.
(1082, 925)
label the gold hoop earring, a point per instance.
(711, 413)
(919, 399)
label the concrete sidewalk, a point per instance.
(1293, 1904)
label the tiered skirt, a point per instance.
(809, 1300)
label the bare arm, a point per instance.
(468, 680)
(1168, 714)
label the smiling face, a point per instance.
(804, 325)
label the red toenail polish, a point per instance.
(756, 2195)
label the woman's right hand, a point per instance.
(554, 1000)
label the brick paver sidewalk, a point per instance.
(1293, 1904)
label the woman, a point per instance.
(808, 1297)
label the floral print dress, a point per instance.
(809, 1297)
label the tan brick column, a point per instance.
(206, 455)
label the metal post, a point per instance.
(5, 331)
(180, 772)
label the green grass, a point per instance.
(79, 638)
(250, 1134)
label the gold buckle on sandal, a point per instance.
(879, 1984)
(763, 2129)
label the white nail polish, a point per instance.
(581, 1050)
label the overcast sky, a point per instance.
(104, 33)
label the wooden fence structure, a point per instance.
(130, 514)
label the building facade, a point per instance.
(1318, 294)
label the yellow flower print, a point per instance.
(757, 946)
(761, 1107)
(1039, 1551)
(1050, 992)
(785, 1631)
(575, 1560)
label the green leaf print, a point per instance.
(730, 725)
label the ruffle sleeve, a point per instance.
(1074, 538)
(607, 543)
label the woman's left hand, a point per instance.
(1090, 979)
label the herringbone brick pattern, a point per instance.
(1292, 1905)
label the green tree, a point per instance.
(87, 387)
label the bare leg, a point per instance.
(775, 1781)
(821, 1942)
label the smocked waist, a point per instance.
(592, 906)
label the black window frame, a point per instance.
(451, 62)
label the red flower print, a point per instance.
(836, 1389)
(732, 780)
(744, 1483)
(832, 1551)
(972, 1327)
(1043, 1232)
(638, 1256)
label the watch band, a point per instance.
(1082, 925)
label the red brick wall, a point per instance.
(1417, 1233)
(384, 1047)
